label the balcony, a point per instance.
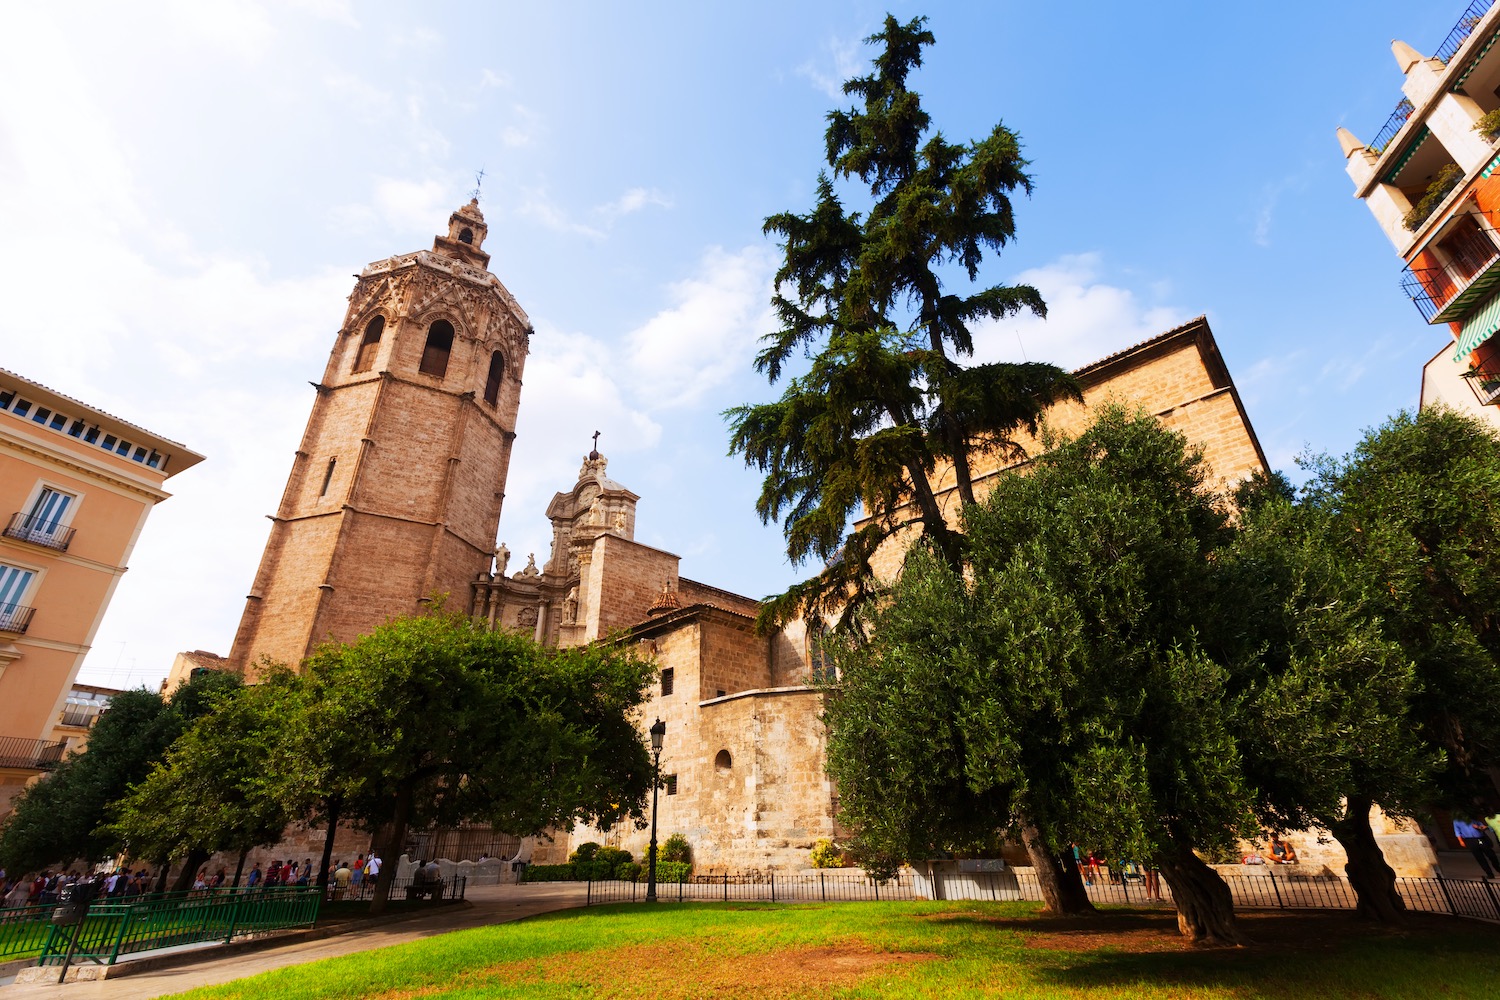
(39, 531)
(76, 717)
(1445, 292)
(15, 617)
(32, 755)
(1467, 22)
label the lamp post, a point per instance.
(658, 733)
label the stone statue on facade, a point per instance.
(570, 606)
(502, 557)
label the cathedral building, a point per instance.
(395, 496)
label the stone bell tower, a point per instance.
(395, 494)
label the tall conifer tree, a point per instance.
(885, 399)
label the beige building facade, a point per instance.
(744, 753)
(76, 485)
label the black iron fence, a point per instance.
(1476, 898)
(810, 887)
(451, 889)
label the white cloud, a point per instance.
(1087, 318)
(840, 61)
(709, 332)
(408, 204)
(537, 205)
(633, 201)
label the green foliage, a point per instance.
(1443, 183)
(437, 719)
(675, 849)
(221, 785)
(550, 873)
(1489, 125)
(825, 855)
(862, 293)
(583, 852)
(668, 871)
(1415, 511)
(59, 818)
(1067, 674)
(629, 871)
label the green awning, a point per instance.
(1477, 329)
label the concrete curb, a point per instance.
(29, 973)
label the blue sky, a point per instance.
(186, 188)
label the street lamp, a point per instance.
(658, 733)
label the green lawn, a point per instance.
(901, 950)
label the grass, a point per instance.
(907, 950)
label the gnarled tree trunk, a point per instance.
(1060, 882)
(239, 869)
(334, 805)
(391, 846)
(1205, 909)
(1371, 878)
(195, 858)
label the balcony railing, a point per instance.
(1465, 26)
(39, 531)
(1467, 22)
(1486, 385)
(37, 755)
(1392, 125)
(14, 617)
(1444, 293)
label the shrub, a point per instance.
(613, 857)
(825, 855)
(584, 852)
(629, 871)
(1489, 125)
(668, 871)
(1442, 184)
(592, 871)
(675, 848)
(549, 873)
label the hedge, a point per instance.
(593, 871)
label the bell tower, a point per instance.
(395, 493)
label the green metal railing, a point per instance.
(113, 929)
(23, 930)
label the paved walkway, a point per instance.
(491, 905)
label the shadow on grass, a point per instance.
(1303, 955)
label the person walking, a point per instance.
(1475, 838)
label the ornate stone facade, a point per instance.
(395, 493)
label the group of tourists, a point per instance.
(1095, 870)
(41, 888)
(353, 874)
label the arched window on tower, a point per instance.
(466, 236)
(439, 346)
(370, 345)
(492, 383)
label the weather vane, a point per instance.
(478, 183)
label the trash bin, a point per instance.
(73, 903)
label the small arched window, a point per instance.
(439, 346)
(368, 347)
(722, 762)
(492, 382)
(466, 236)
